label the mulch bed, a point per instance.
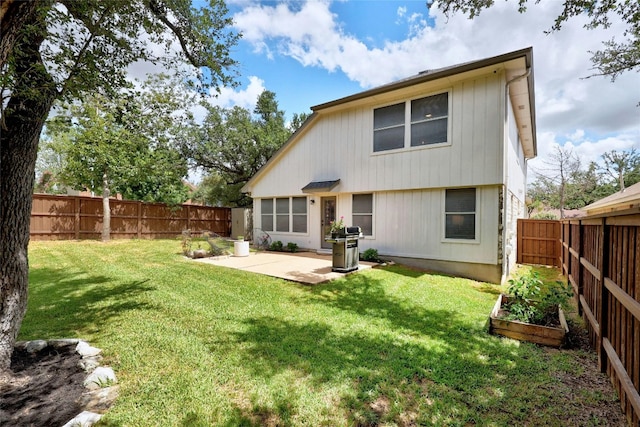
(43, 389)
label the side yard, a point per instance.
(200, 345)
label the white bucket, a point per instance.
(241, 248)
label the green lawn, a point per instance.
(199, 345)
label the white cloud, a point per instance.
(587, 149)
(229, 97)
(246, 98)
(597, 115)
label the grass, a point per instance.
(199, 345)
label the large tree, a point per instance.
(233, 144)
(622, 166)
(65, 49)
(616, 57)
(112, 146)
(562, 165)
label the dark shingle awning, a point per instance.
(320, 186)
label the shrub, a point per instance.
(544, 215)
(292, 247)
(533, 302)
(370, 255)
(276, 246)
(186, 242)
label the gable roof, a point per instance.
(626, 199)
(518, 67)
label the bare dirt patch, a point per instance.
(42, 389)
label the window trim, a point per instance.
(408, 124)
(476, 213)
(373, 213)
(274, 215)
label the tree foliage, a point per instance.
(116, 140)
(582, 186)
(623, 167)
(125, 145)
(233, 144)
(616, 56)
(54, 50)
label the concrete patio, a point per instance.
(304, 267)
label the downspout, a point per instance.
(507, 247)
(520, 77)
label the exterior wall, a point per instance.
(410, 224)
(483, 151)
(514, 198)
(340, 146)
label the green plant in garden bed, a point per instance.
(370, 255)
(531, 300)
(197, 344)
(292, 247)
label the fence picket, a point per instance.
(606, 249)
(56, 217)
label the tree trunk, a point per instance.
(106, 209)
(13, 15)
(23, 118)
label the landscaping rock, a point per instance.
(84, 419)
(90, 363)
(63, 342)
(99, 378)
(85, 350)
(200, 253)
(35, 346)
(100, 400)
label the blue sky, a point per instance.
(311, 52)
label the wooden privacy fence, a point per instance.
(538, 242)
(76, 217)
(601, 258)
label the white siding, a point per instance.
(411, 224)
(408, 185)
(516, 169)
(340, 146)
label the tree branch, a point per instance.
(160, 12)
(91, 27)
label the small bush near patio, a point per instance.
(194, 344)
(370, 255)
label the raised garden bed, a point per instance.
(545, 335)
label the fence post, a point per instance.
(567, 255)
(578, 279)
(603, 254)
(76, 209)
(139, 224)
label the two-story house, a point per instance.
(432, 168)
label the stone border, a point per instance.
(100, 383)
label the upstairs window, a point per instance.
(388, 127)
(460, 214)
(415, 123)
(429, 120)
